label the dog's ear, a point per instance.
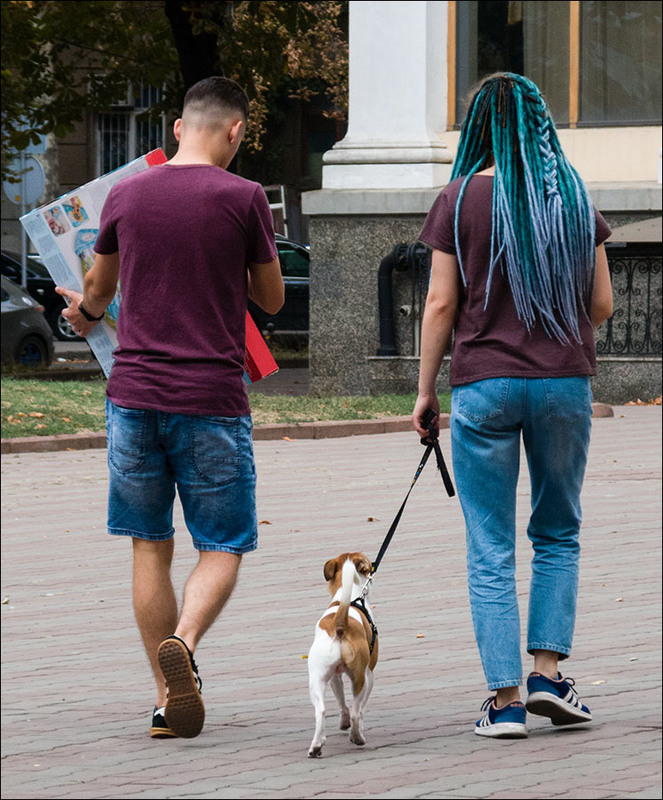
(330, 569)
(363, 565)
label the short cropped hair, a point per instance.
(217, 95)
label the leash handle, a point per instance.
(432, 440)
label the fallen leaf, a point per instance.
(264, 522)
(287, 439)
(5, 601)
(619, 599)
(66, 419)
(304, 656)
(597, 683)
(37, 414)
(40, 426)
(372, 519)
(21, 414)
(420, 636)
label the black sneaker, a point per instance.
(184, 711)
(159, 728)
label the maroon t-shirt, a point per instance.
(492, 342)
(185, 235)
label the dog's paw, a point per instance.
(345, 721)
(358, 739)
(315, 752)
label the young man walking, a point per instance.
(190, 244)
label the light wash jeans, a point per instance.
(487, 420)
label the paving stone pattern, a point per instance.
(76, 689)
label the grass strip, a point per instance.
(46, 408)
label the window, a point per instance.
(620, 62)
(125, 132)
(597, 63)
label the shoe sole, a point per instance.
(185, 711)
(503, 730)
(545, 704)
(162, 733)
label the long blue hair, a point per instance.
(543, 223)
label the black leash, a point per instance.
(432, 444)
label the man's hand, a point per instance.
(79, 324)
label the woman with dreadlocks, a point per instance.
(520, 277)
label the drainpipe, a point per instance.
(396, 260)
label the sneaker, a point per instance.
(556, 699)
(159, 728)
(507, 722)
(184, 711)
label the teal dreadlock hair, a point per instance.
(543, 223)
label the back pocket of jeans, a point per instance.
(127, 431)
(482, 400)
(215, 449)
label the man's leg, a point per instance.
(206, 592)
(155, 604)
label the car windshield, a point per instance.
(34, 265)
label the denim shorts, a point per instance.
(207, 459)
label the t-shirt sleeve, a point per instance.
(106, 243)
(261, 244)
(603, 230)
(438, 230)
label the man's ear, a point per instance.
(177, 129)
(236, 132)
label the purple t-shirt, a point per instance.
(185, 235)
(492, 342)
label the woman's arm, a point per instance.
(602, 295)
(438, 321)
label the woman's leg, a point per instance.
(556, 436)
(485, 431)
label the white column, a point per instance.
(398, 99)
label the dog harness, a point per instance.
(360, 605)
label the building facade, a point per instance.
(412, 66)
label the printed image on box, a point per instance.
(68, 253)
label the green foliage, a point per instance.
(64, 58)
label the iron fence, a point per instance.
(635, 326)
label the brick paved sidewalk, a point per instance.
(76, 693)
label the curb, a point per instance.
(261, 433)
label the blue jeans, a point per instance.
(487, 420)
(209, 460)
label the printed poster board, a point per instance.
(64, 232)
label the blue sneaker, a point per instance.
(556, 699)
(507, 722)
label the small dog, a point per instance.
(345, 642)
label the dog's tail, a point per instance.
(348, 578)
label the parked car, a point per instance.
(41, 287)
(293, 318)
(26, 336)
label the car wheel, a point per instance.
(32, 352)
(61, 327)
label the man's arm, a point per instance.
(266, 287)
(436, 328)
(99, 287)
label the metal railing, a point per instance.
(633, 330)
(635, 326)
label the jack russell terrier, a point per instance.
(346, 641)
